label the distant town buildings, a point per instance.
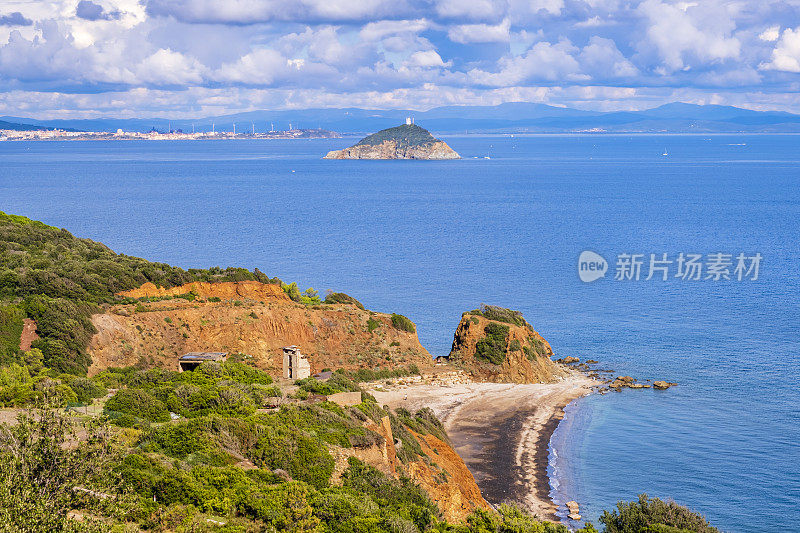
(120, 135)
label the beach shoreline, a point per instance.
(501, 430)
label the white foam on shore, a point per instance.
(563, 457)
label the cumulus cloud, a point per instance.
(336, 52)
(261, 11)
(88, 10)
(786, 55)
(15, 19)
(684, 33)
(166, 67)
(480, 33)
(602, 58)
(543, 62)
(425, 59)
(770, 34)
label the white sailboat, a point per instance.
(665, 153)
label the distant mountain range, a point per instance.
(19, 127)
(514, 117)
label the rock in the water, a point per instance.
(572, 506)
(569, 360)
(663, 385)
(574, 510)
(408, 141)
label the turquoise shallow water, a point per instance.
(432, 239)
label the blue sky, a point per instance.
(182, 58)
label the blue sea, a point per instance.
(433, 239)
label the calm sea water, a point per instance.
(433, 239)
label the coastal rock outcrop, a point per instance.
(663, 385)
(250, 318)
(408, 141)
(497, 345)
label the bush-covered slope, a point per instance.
(406, 135)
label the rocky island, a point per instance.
(408, 141)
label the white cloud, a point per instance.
(591, 22)
(476, 10)
(426, 59)
(260, 11)
(544, 61)
(237, 53)
(166, 67)
(786, 55)
(260, 67)
(480, 33)
(375, 31)
(602, 58)
(687, 34)
(771, 34)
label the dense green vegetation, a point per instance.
(58, 280)
(342, 298)
(10, 330)
(403, 323)
(501, 314)
(654, 515)
(363, 375)
(171, 451)
(405, 135)
(492, 348)
(175, 475)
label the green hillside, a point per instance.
(19, 127)
(405, 135)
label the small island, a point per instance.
(408, 141)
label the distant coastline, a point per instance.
(66, 135)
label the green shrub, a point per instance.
(403, 323)
(11, 318)
(500, 314)
(653, 515)
(373, 324)
(85, 389)
(399, 498)
(303, 456)
(492, 348)
(362, 375)
(342, 298)
(65, 329)
(138, 403)
(292, 291)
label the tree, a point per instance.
(45, 473)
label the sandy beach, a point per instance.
(501, 430)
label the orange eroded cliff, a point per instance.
(252, 290)
(253, 319)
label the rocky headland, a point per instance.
(408, 141)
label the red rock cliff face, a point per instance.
(250, 318)
(525, 355)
